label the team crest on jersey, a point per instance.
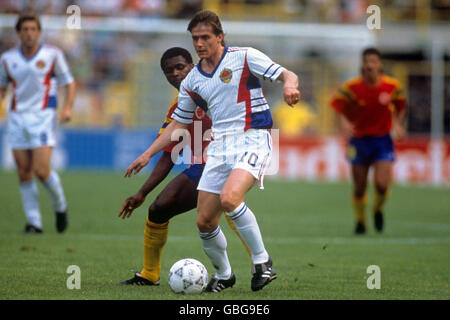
(226, 75)
(199, 113)
(384, 98)
(40, 64)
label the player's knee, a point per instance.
(205, 224)
(359, 193)
(230, 200)
(42, 173)
(156, 213)
(381, 187)
(25, 174)
(161, 203)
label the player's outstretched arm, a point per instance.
(291, 92)
(66, 111)
(2, 93)
(159, 144)
(159, 173)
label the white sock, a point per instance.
(246, 224)
(215, 245)
(54, 188)
(30, 201)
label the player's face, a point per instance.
(176, 69)
(29, 33)
(206, 43)
(372, 64)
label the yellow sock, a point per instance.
(359, 208)
(155, 236)
(231, 223)
(379, 201)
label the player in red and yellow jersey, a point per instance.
(180, 195)
(371, 107)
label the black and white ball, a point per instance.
(188, 276)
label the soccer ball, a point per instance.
(188, 276)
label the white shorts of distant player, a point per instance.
(250, 150)
(31, 130)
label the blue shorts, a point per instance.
(194, 172)
(368, 150)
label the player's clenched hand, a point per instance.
(130, 204)
(398, 131)
(291, 95)
(65, 115)
(137, 165)
(347, 129)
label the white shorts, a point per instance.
(31, 130)
(250, 150)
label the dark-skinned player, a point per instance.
(180, 194)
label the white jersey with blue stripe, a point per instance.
(231, 95)
(34, 80)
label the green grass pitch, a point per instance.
(307, 228)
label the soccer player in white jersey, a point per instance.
(34, 70)
(225, 83)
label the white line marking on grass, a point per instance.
(358, 240)
(278, 240)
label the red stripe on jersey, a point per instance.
(13, 104)
(244, 94)
(14, 84)
(47, 80)
(197, 99)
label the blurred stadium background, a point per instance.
(123, 96)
